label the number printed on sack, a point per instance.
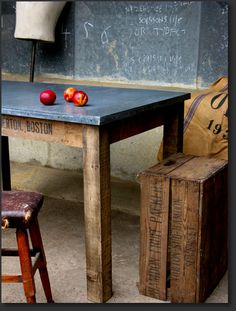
(216, 129)
(225, 136)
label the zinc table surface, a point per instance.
(105, 104)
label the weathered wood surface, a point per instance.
(213, 230)
(97, 209)
(199, 228)
(154, 227)
(128, 127)
(184, 240)
(154, 237)
(46, 130)
(194, 247)
(173, 131)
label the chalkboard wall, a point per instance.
(172, 43)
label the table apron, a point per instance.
(71, 134)
(129, 127)
(41, 129)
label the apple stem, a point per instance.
(32, 60)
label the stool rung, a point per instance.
(14, 252)
(11, 278)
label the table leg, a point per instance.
(97, 209)
(6, 173)
(173, 130)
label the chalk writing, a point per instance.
(86, 29)
(175, 5)
(158, 58)
(224, 42)
(164, 31)
(104, 37)
(161, 19)
(159, 8)
(151, 63)
(139, 31)
(150, 20)
(144, 8)
(167, 31)
(65, 33)
(145, 41)
(224, 9)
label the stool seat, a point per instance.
(20, 208)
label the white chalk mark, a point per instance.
(104, 38)
(85, 28)
(65, 33)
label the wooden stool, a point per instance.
(19, 211)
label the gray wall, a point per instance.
(178, 43)
(181, 44)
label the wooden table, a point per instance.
(112, 114)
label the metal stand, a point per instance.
(5, 162)
(34, 42)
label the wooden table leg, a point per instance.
(173, 131)
(97, 207)
(6, 173)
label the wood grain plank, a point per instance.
(184, 239)
(97, 207)
(11, 278)
(155, 224)
(135, 125)
(173, 130)
(213, 233)
(154, 236)
(198, 228)
(44, 130)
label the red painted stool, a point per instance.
(19, 210)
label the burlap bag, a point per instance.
(206, 122)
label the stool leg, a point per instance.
(26, 265)
(37, 244)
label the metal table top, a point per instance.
(105, 104)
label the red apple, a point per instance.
(47, 97)
(80, 98)
(69, 93)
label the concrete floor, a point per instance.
(62, 228)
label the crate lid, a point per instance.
(185, 167)
(166, 166)
(198, 169)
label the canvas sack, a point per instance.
(206, 122)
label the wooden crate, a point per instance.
(183, 228)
